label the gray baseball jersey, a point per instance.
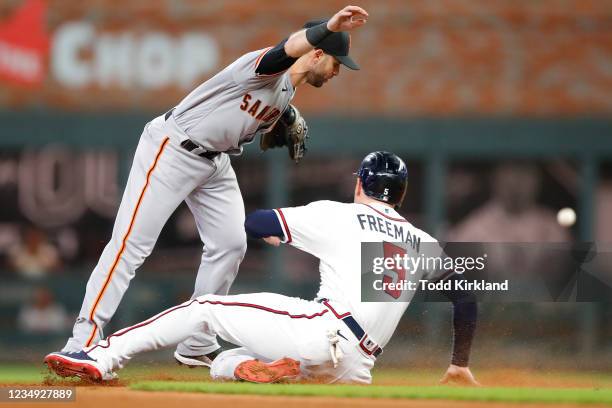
(235, 105)
(220, 115)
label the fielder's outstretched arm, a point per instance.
(285, 53)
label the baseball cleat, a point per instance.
(197, 361)
(77, 365)
(260, 372)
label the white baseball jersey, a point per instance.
(333, 232)
(234, 106)
(269, 326)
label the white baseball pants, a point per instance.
(163, 174)
(267, 326)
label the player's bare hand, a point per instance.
(459, 375)
(348, 18)
(274, 241)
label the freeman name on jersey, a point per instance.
(392, 229)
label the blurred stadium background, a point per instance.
(502, 110)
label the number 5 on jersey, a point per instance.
(391, 251)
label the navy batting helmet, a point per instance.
(384, 177)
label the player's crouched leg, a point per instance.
(218, 269)
(242, 365)
(225, 364)
(234, 251)
(221, 260)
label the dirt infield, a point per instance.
(105, 397)
(118, 394)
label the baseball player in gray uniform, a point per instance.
(183, 156)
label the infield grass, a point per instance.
(535, 386)
(536, 395)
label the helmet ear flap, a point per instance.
(398, 205)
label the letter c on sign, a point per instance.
(69, 40)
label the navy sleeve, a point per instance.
(465, 313)
(263, 223)
(275, 60)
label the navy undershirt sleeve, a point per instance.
(465, 313)
(276, 60)
(263, 223)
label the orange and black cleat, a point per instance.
(259, 372)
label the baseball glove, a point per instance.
(290, 130)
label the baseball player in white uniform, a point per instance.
(334, 338)
(183, 156)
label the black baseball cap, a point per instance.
(336, 44)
